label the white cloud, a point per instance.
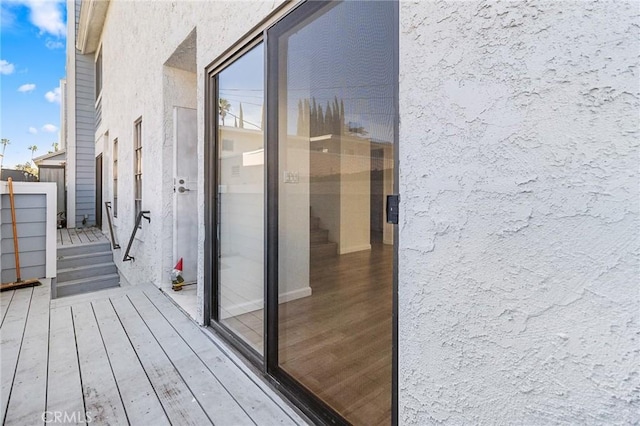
(7, 19)
(47, 16)
(33, 130)
(53, 44)
(53, 95)
(26, 88)
(50, 128)
(6, 67)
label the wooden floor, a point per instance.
(338, 341)
(122, 356)
(75, 236)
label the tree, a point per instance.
(26, 167)
(32, 148)
(224, 107)
(241, 117)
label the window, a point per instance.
(99, 74)
(137, 167)
(115, 177)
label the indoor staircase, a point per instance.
(85, 268)
(321, 247)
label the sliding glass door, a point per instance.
(302, 254)
(333, 105)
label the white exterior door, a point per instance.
(185, 199)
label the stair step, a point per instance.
(319, 236)
(74, 261)
(320, 251)
(87, 248)
(314, 223)
(86, 285)
(87, 271)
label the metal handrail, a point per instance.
(107, 206)
(142, 214)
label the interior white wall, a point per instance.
(519, 255)
(355, 195)
(293, 210)
(341, 189)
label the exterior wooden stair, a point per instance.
(321, 247)
(85, 268)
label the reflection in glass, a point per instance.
(336, 141)
(241, 193)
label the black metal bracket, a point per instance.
(142, 215)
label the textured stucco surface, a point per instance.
(137, 40)
(519, 255)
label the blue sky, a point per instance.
(32, 62)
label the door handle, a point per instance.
(393, 205)
(182, 189)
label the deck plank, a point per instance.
(28, 395)
(179, 403)
(140, 400)
(81, 236)
(73, 236)
(101, 394)
(254, 396)
(11, 334)
(5, 301)
(64, 388)
(212, 395)
(66, 238)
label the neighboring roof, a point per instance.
(52, 158)
(18, 175)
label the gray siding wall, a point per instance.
(85, 135)
(31, 210)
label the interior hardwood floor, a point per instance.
(337, 342)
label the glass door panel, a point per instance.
(336, 121)
(241, 198)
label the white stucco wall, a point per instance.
(519, 254)
(137, 39)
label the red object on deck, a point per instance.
(178, 266)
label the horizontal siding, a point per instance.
(32, 215)
(24, 229)
(85, 137)
(27, 273)
(26, 244)
(27, 259)
(85, 187)
(24, 201)
(31, 230)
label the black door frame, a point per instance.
(315, 408)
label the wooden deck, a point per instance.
(122, 356)
(75, 236)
